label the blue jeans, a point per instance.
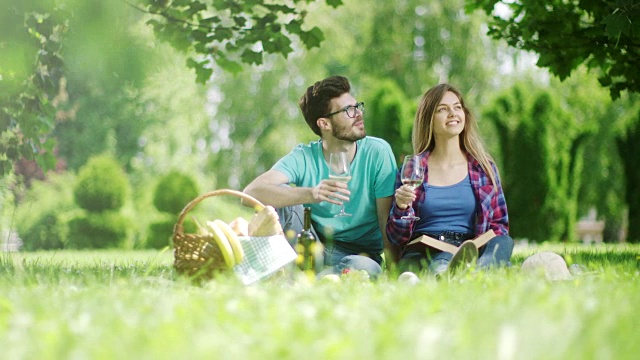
(496, 252)
(336, 258)
(291, 219)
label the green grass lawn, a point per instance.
(131, 305)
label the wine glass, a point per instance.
(340, 170)
(412, 175)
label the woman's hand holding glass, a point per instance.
(405, 196)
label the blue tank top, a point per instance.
(448, 208)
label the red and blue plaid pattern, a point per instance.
(491, 214)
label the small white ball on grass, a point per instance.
(330, 278)
(409, 278)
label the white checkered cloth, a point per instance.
(263, 256)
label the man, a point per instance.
(350, 242)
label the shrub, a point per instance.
(107, 229)
(102, 185)
(41, 216)
(48, 233)
(173, 192)
(160, 234)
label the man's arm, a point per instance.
(383, 206)
(268, 189)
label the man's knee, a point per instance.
(359, 262)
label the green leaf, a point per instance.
(197, 6)
(48, 110)
(203, 74)
(228, 65)
(221, 33)
(294, 26)
(155, 24)
(11, 153)
(49, 145)
(334, 3)
(46, 162)
(616, 24)
(5, 167)
(605, 80)
(251, 57)
(210, 20)
(312, 38)
(263, 22)
(278, 44)
(240, 21)
(27, 151)
(191, 63)
(280, 8)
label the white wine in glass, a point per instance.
(412, 175)
(340, 170)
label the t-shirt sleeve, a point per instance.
(290, 165)
(387, 169)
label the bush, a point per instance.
(48, 233)
(173, 192)
(107, 229)
(160, 234)
(102, 185)
(41, 216)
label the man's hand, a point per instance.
(405, 196)
(331, 191)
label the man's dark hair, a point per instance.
(315, 102)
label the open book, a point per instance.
(443, 246)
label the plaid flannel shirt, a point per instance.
(491, 212)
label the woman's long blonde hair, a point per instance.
(470, 141)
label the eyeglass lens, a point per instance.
(351, 110)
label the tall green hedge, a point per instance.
(542, 160)
(390, 116)
(628, 144)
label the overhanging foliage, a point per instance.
(603, 35)
(229, 33)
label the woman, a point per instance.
(461, 196)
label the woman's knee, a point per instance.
(496, 252)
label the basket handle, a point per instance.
(178, 229)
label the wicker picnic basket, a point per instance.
(196, 255)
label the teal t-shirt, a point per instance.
(373, 172)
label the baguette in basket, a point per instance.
(240, 226)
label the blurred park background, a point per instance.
(115, 114)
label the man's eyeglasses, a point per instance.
(350, 110)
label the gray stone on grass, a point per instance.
(551, 264)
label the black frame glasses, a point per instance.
(350, 110)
